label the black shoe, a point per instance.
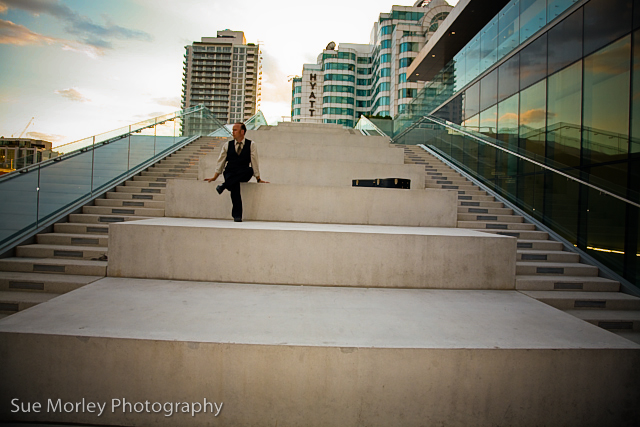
(237, 219)
(220, 189)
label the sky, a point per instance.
(84, 67)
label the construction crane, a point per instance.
(26, 127)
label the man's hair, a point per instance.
(242, 126)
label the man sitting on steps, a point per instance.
(241, 158)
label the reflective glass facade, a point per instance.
(560, 83)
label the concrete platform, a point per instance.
(343, 205)
(311, 254)
(325, 173)
(312, 356)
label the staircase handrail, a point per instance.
(487, 141)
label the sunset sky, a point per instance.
(83, 67)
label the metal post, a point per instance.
(129, 150)
(93, 157)
(155, 133)
(38, 200)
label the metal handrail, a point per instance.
(449, 125)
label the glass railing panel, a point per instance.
(112, 134)
(73, 146)
(110, 162)
(19, 205)
(141, 149)
(64, 183)
(594, 219)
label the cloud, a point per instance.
(532, 116)
(168, 102)
(72, 94)
(45, 136)
(275, 86)
(88, 33)
(3, 8)
(19, 35)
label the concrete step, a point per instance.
(171, 169)
(71, 239)
(160, 179)
(633, 336)
(482, 202)
(554, 268)
(103, 219)
(360, 254)
(315, 204)
(613, 320)
(61, 251)
(54, 265)
(483, 210)
(520, 234)
(564, 283)
(129, 189)
(120, 195)
(125, 203)
(109, 210)
(483, 225)
(81, 228)
(181, 175)
(573, 300)
(550, 256)
(12, 302)
(539, 245)
(149, 184)
(481, 198)
(490, 217)
(465, 192)
(43, 282)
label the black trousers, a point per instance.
(232, 180)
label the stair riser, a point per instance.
(521, 234)
(81, 229)
(106, 210)
(36, 252)
(544, 285)
(56, 239)
(489, 217)
(129, 189)
(11, 307)
(547, 245)
(131, 204)
(480, 210)
(35, 286)
(102, 219)
(84, 270)
(591, 304)
(550, 257)
(616, 325)
(145, 184)
(578, 270)
(135, 197)
(482, 226)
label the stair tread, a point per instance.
(32, 297)
(78, 235)
(564, 279)
(628, 315)
(65, 247)
(553, 264)
(582, 295)
(54, 261)
(48, 278)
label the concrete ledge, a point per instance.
(323, 173)
(311, 254)
(385, 155)
(337, 205)
(305, 356)
(314, 137)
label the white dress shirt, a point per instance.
(222, 158)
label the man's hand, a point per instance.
(214, 177)
(261, 181)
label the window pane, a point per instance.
(533, 16)
(635, 103)
(508, 28)
(489, 45)
(488, 121)
(489, 90)
(472, 100)
(509, 77)
(564, 115)
(565, 42)
(605, 21)
(532, 118)
(533, 62)
(606, 102)
(508, 120)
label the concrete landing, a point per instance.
(344, 205)
(311, 254)
(312, 356)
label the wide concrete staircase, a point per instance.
(75, 253)
(329, 305)
(544, 271)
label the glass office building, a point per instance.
(559, 81)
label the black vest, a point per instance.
(237, 161)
